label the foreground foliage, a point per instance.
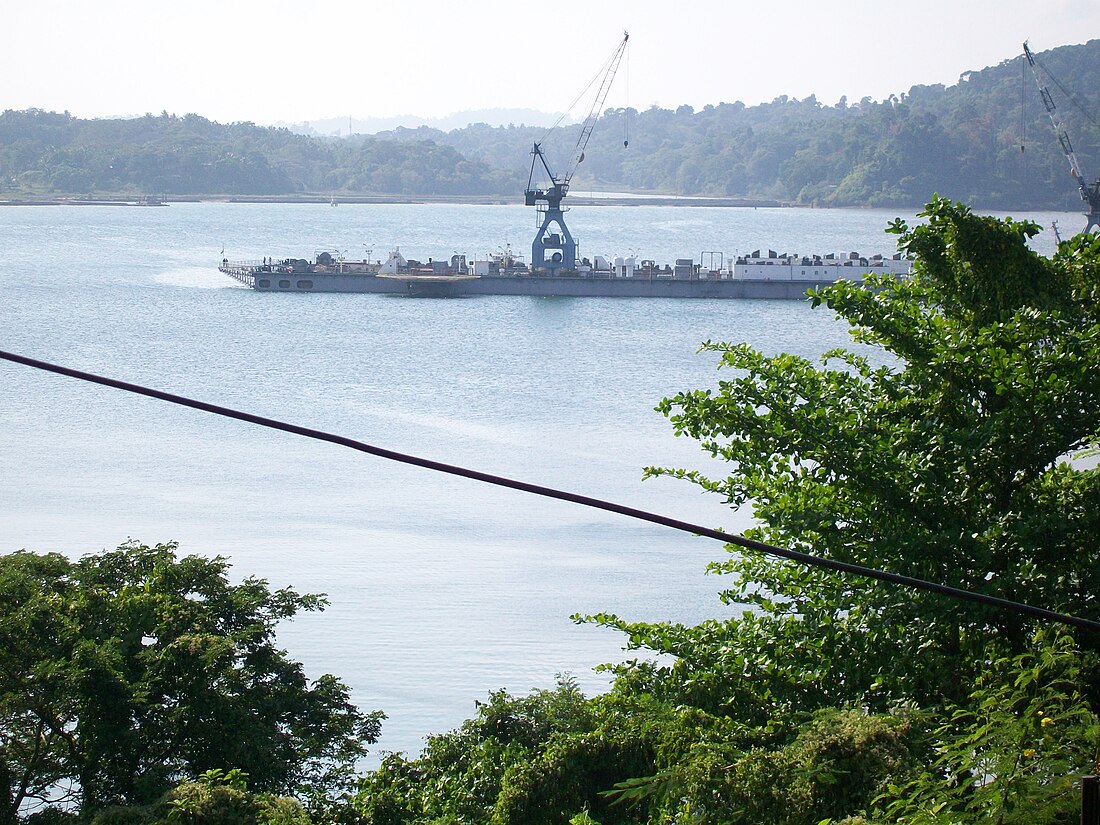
(215, 797)
(937, 451)
(123, 673)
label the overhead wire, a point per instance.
(806, 559)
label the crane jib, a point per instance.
(1090, 194)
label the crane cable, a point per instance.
(1072, 98)
(626, 103)
(805, 559)
(600, 75)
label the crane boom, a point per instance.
(1090, 193)
(597, 107)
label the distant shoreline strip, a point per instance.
(457, 200)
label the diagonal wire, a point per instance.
(563, 495)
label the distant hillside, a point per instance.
(46, 152)
(985, 140)
(340, 126)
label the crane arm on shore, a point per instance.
(589, 124)
(1090, 193)
(597, 107)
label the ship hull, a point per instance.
(533, 285)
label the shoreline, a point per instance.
(462, 200)
(474, 200)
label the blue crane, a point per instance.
(560, 243)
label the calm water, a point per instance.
(441, 589)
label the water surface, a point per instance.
(441, 589)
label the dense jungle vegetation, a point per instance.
(139, 687)
(986, 141)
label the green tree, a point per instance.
(123, 673)
(939, 451)
(459, 775)
(215, 797)
(939, 454)
(1013, 752)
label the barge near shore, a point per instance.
(759, 275)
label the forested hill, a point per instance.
(45, 152)
(986, 140)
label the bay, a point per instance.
(441, 589)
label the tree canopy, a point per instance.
(43, 152)
(943, 459)
(124, 673)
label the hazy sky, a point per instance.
(275, 60)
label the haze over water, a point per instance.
(441, 589)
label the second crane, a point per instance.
(1090, 193)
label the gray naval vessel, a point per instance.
(762, 274)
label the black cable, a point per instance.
(562, 495)
(1072, 98)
